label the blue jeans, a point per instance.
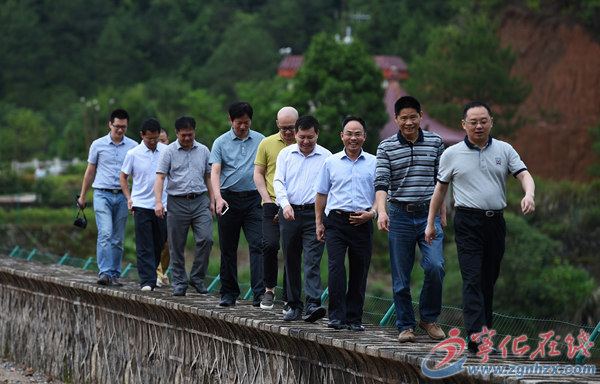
(111, 219)
(407, 229)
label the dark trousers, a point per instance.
(346, 300)
(245, 212)
(270, 230)
(480, 246)
(297, 237)
(150, 237)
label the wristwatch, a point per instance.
(376, 215)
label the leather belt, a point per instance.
(303, 207)
(484, 212)
(113, 191)
(411, 207)
(240, 194)
(341, 213)
(189, 196)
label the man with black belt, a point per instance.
(150, 231)
(110, 205)
(346, 194)
(184, 163)
(297, 168)
(407, 165)
(238, 202)
(478, 168)
(264, 171)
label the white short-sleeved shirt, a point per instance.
(141, 162)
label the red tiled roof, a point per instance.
(390, 66)
(393, 92)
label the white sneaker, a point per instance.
(159, 282)
(146, 288)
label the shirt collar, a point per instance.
(178, 144)
(473, 146)
(402, 140)
(344, 154)
(233, 136)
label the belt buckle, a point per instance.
(410, 207)
(114, 191)
(489, 213)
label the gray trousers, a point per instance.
(184, 213)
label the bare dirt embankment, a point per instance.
(562, 63)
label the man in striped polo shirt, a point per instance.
(407, 165)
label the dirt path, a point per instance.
(15, 373)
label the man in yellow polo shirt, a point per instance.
(264, 171)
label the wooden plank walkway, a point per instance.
(372, 356)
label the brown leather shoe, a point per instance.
(408, 335)
(433, 330)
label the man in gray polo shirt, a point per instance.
(191, 203)
(478, 168)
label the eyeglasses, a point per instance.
(123, 127)
(289, 128)
(152, 139)
(474, 123)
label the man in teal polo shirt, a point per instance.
(237, 202)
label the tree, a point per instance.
(337, 80)
(594, 132)
(463, 63)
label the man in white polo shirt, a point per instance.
(150, 230)
(478, 168)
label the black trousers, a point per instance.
(270, 230)
(346, 299)
(480, 246)
(245, 212)
(299, 241)
(150, 237)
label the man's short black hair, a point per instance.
(354, 118)
(119, 114)
(185, 122)
(406, 102)
(239, 109)
(151, 125)
(475, 104)
(307, 122)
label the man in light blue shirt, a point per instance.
(346, 193)
(150, 230)
(238, 203)
(110, 205)
(294, 183)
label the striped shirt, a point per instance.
(408, 171)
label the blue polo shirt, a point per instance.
(348, 184)
(236, 157)
(108, 158)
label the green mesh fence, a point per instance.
(378, 310)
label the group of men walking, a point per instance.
(287, 189)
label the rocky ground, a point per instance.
(15, 373)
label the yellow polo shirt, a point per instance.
(266, 156)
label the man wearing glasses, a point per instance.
(478, 168)
(264, 171)
(150, 230)
(110, 205)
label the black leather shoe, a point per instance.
(357, 327)
(114, 281)
(104, 279)
(179, 291)
(257, 300)
(315, 314)
(293, 314)
(227, 301)
(201, 289)
(336, 324)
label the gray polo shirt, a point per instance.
(185, 170)
(478, 175)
